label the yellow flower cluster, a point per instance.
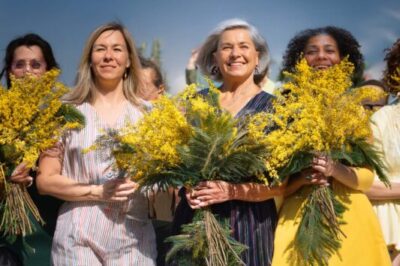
(28, 121)
(153, 140)
(394, 81)
(167, 137)
(317, 113)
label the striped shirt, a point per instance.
(98, 233)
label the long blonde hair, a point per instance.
(85, 91)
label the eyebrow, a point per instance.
(114, 45)
(229, 43)
(316, 46)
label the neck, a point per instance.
(109, 93)
(239, 88)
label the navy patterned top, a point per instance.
(252, 223)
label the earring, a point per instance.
(256, 70)
(125, 76)
(214, 70)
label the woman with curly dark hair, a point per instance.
(392, 59)
(301, 45)
(386, 130)
(362, 242)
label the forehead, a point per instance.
(28, 52)
(235, 35)
(321, 40)
(110, 36)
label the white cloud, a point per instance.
(389, 35)
(393, 13)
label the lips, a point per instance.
(107, 66)
(236, 64)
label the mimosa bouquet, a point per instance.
(393, 81)
(182, 141)
(32, 118)
(318, 113)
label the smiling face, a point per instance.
(322, 52)
(236, 55)
(28, 59)
(109, 58)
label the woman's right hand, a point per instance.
(20, 175)
(117, 190)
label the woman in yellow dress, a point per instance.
(363, 242)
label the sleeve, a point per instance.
(365, 177)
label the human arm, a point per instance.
(379, 191)
(50, 182)
(305, 177)
(212, 192)
(191, 69)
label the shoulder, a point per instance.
(262, 101)
(265, 96)
(385, 114)
(85, 107)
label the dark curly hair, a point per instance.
(392, 59)
(347, 45)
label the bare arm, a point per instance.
(305, 177)
(212, 192)
(50, 182)
(379, 191)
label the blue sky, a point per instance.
(182, 25)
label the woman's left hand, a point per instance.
(211, 192)
(325, 165)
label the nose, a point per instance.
(234, 51)
(27, 68)
(322, 54)
(108, 54)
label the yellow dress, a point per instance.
(364, 244)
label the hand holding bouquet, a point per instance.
(320, 123)
(187, 140)
(32, 118)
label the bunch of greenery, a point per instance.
(318, 113)
(182, 141)
(32, 118)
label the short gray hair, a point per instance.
(206, 61)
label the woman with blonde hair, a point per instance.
(104, 220)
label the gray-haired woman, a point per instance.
(237, 55)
